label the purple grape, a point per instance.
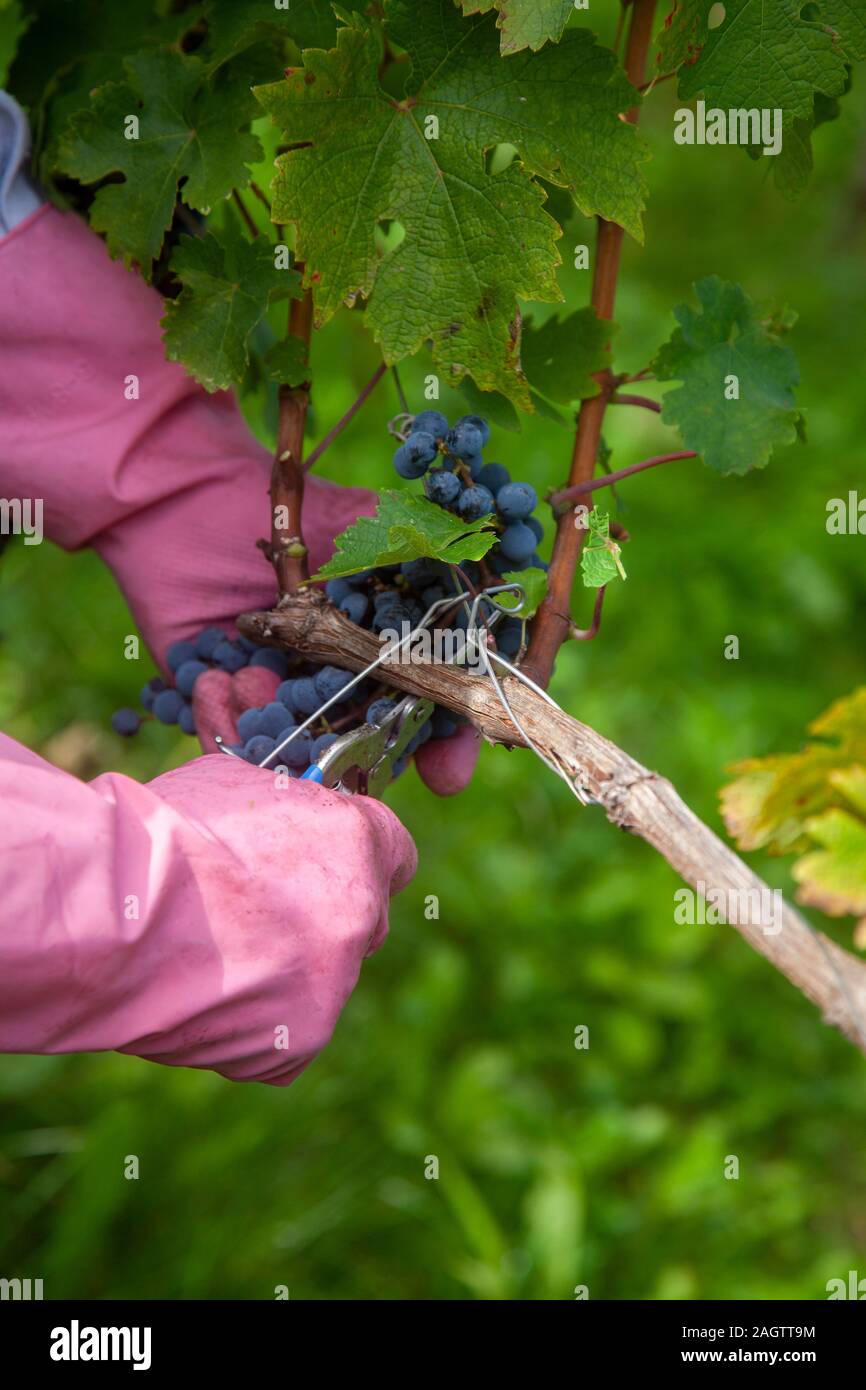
(207, 642)
(430, 422)
(125, 722)
(187, 675)
(355, 607)
(517, 541)
(297, 753)
(475, 502)
(150, 691)
(167, 706)
(442, 487)
(379, 710)
(272, 659)
(494, 476)
(275, 720)
(257, 748)
(319, 745)
(250, 724)
(413, 458)
(515, 501)
(186, 720)
(229, 657)
(178, 653)
(475, 422)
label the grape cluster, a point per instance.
(304, 688)
(463, 483)
(378, 599)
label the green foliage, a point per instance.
(524, 23)
(764, 55)
(534, 584)
(726, 338)
(407, 527)
(12, 26)
(600, 557)
(561, 356)
(473, 241)
(188, 131)
(813, 804)
(228, 283)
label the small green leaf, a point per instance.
(12, 25)
(236, 25)
(534, 582)
(560, 356)
(407, 527)
(285, 362)
(228, 283)
(186, 131)
(494, 407)
(600, 557)
(736, 403)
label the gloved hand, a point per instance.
(207, 919)
(168, 487)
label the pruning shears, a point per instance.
(363, 759)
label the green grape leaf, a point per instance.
(407, 527)
(682, 34)
(227, 284)
(763, 55)
(812, 804)
(490, 404)
(524, 23)
(474, 242)
(560, 356)
(285, 362)
(13, 24)
(847, 20)
(728, 339)
(236, 25)
(534, 582)
(187, 131)
(600, 557)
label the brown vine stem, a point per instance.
(551, 623)
(570, 494)
(630, 795)
(245, 214)
(343, 422)
(287, 550)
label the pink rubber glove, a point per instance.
(190, 921)
(170, 488)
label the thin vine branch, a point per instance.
(570, 494)
(245, 214)
(343, 422)
(288, 553)
(586, 634)
(551, 622)
(624, 398)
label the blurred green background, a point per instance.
(558, 1167)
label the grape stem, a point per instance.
(550, 625)
(287, 551)
(344, 421)
(245, 214)
(623, 398)
(570, 494)
(586, 634)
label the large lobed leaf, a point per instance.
(227, 284)
(474, 242)
(726, 338)
(187, 131)
(407, 527)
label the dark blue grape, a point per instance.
(434, 594)
(125, 722)
(535, 527)
(297, 753)
(494, 476)
(167, 706)
(537, 562)
(272, 659)
(355, 607)
(178, 653)
(515, 501)
(187, 675)
(476, 422)
(247, 645)
(517, 541)
(305, 696)
(475, 502)
(399, 767)
(337, 589)
(258, 748)
(379, 710)
(250, 724)
(420, 737)
(508, 634)
(275, 720)
(207, 642)
(150, 691)
(319, 745)
(430, 422)
(413, 458)
(442, 487)
(360, 577)
(229, 657)
(443, 722)
(186, 720)
(330, 681)
(464, 440)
